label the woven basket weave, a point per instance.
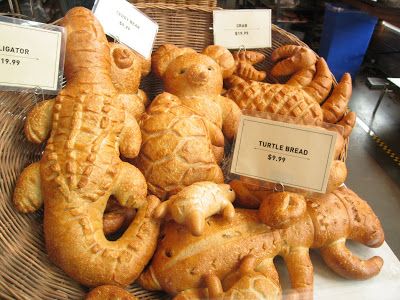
(206, 3)
(25, 271)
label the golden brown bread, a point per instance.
(183, 129)
(348, 122)
(196, 202)
(291, 58)
(281, 209)
(165, 54)
(244, 61)
(250, 193)
(127, 69)
(222, 57)
(179, 148)
(38, 130)
(245, 283)
(109, 292)
(335, 106)
(116, 217)
(302, 94)
(81, 168)
(186, 262)
(27, 195)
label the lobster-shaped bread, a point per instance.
(89, 126)
(301, 95)
(231, 255)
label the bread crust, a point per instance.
(182, 261)
(81, 166)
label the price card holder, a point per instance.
(31, 55)
(250, 28)
(122, 21)
(276, 151)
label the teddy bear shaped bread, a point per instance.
(127, 69)
(197, 267)
(88, 127)
(183, 129)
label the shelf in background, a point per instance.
(389, 14)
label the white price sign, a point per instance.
(122, 21)
(31, 55)
(250, 28)
(294, 155)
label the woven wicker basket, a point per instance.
(205, 3)
(25, 271)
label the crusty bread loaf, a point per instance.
(127, 69)
(300, 97)
(197, 265)
(291, 58)
(244, 61)
(184, 128)
(81, 168)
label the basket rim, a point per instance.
(178, 7)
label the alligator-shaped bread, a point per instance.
(89, 127)
(198, 267)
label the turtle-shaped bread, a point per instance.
(183, 129)
(192, 205)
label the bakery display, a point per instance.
(182, 261)
(298, 98)
(183, 129)
(102, 229)
(89, 126)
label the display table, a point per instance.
(394, 83)
(329, 286)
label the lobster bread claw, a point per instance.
(335, 106)
(294, 58)
(195, 203)
(348, 122)
(244, 61)
(321, 84)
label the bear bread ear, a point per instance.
(164, 55)
(223, 57)
(124, 57)
(146, 66)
